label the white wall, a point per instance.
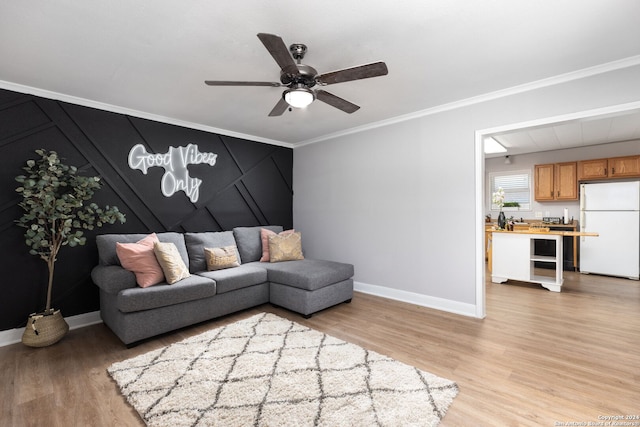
(526, 162)
(399, 202)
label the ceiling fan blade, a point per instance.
(279, 51)
(232, 83)
(336, 101)
(356, 73)
(280, 108)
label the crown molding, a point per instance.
(135, 113)
(538, 84)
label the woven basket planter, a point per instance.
(44, 329)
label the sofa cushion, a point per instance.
(231, 279)
(140, 259)
(161, 295)
(106, 244)
(221, 258)
(250, 243)
(196, 242)
(308, 274)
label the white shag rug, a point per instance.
(269, 371)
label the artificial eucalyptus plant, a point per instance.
(55, 200)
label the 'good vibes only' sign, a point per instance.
(175, 161)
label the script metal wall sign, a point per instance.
(175, 161)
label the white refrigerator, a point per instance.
(611, 209)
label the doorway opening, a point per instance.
(481, 135)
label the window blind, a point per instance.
(516, 189)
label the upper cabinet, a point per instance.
(592, 169)
(566, 181)
(556, 181)
(543, 182)
(620, 167)
(615, 167)
(559, 181)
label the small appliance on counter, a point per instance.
(551, 220)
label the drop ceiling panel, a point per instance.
(544, 138)
(592, 131)
(624, 128)
(568, 134)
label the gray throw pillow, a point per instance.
(196, 242)
(249, 241)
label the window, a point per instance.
(516, 189)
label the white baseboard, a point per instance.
(13, 336)
(418, 299)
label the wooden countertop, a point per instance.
(550, 232)
(529, 222)
(569, 230)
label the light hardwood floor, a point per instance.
(539, 358)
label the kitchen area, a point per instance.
(583, 212)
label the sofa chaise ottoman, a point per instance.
(304, 286)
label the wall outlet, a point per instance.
(539, 215)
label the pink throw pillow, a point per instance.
(140, 259)
(264, 235)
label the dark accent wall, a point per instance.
(250, 184)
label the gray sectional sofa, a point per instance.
(134, 313)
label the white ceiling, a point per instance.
(150, 58)
(624, 126)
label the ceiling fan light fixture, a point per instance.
(299, 97)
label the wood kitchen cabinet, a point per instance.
(543, 182)
(556, 181)
(614, 167)
(592, 169)
(622, 167)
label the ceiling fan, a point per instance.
(300, 78)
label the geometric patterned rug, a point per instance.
(269, 371)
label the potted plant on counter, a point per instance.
(498, 199)
(55, 200)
